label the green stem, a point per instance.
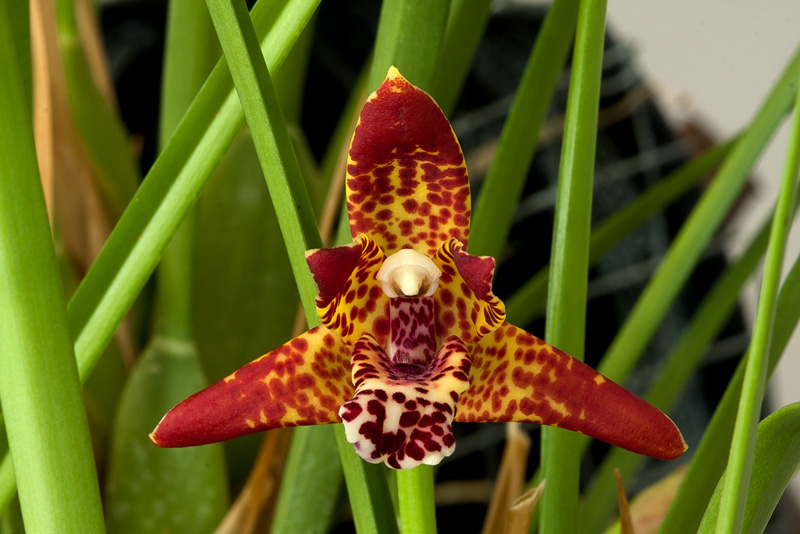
(410, 35)
(415, 496)
(740, 461)
(47, 430)
(569, 265)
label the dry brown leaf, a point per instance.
(66, 171)
(626, 527)
(254, 508)
(519, 515)
(92, 44)
(510, 480)
(650, 506)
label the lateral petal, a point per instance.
(407, 184)
(303, 382)
(358, 305)
(518, 377)
(465, 305)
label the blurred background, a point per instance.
(722, 58)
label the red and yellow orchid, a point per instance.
(412, 336)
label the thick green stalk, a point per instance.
(415, 497)
(46, 425)
(503, 185)
(740, 462)
(569, 264)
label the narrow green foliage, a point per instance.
(169, 190)
(410, 34)
(569, 264)
(295, 217)
(697, 231)
(271, 139)
(150, 489)
(518, 140)
(11, 521)
(705, 324)
(740, 461)
(313, 477)
(709, 460)
(8, 485)
(777, 454)
(529, 300)
(48, 435)
(190, 53)
(171, 187)
(240, 271)
(465, 24)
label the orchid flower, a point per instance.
(412, 336)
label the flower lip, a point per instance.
(408, 273)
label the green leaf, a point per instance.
(755, 378)
(169, 190)
(704, 326)
(777, 455)
(40, 392)
(314, 457)
(271, 139)
(410, 35)
(569, 264)
(11, 520)
(241, 271)
(710, 456)
(150, 489)
(465, 25)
